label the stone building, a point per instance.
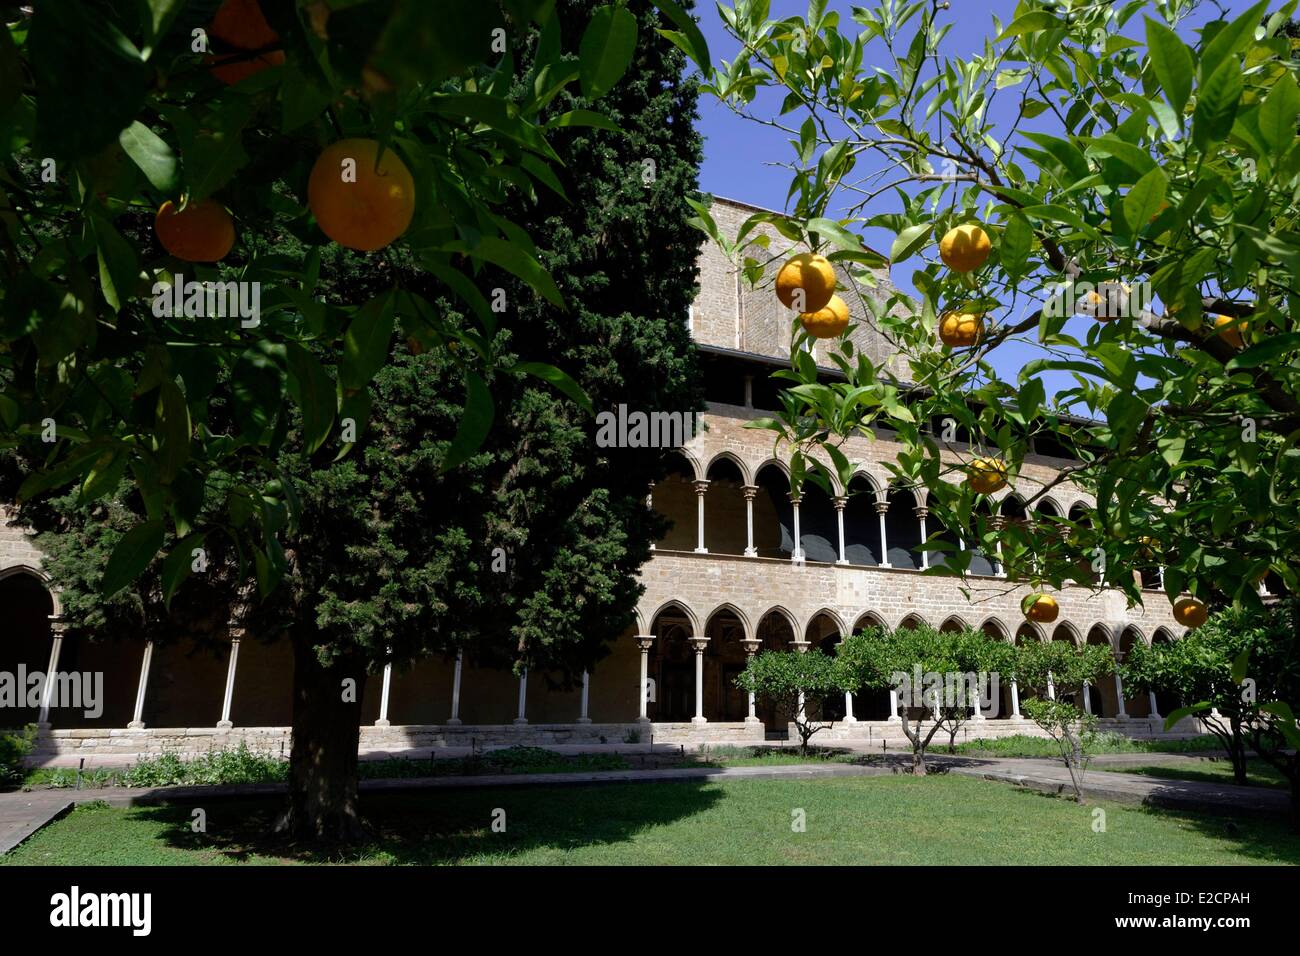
(746, 566)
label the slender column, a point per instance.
(848, 696)
(893, 706)
(749, 491)
(57, 628)
(751, 648)
(645, 642)
(523, 697)
(384, 695)
(975, 710)
(650, 505)
(1051, 687)
(997, 523)
(700, 488)
(797, 555)
(921, 514)
(699, 643)
(137, 718)
(586, 687)
(882, 509)
(1015, 701)
(224, 723)
(1119, 693)
(1087, 698)
(802, 648)
(454, 719)
(839, 502)
(1151, 699)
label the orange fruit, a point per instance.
(987, 475)
(201, 232)
(1044, 610)
(1190, 612)
(1108, 301)
(961, 329)
(1229, 330)
(828, 322)
(241, 24)
(965, 248)
(813, 274)
(357, 203)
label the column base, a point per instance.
(699, 720)
(225, 725)
(520, 721)
(751, 552)
(701, 550)
(583, 720)
(842, 563)
(135, 725)
(894, 719)
(452, 722)
(643, 720)
(752, 720)
(849, 720)
(382, 723)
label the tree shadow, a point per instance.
(438, 827)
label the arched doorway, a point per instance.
(1166, 703)
(674, 497)
(27, 606)
(870, 704)
(724, 508)
(672, 667)
(861, 524)
(775, 633)
(903, 529)
(1102, 694)
(724, 659)
(823, 633)
(1137, 705)
(773, 513)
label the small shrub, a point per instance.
(14, 746)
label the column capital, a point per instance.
(997, 522)
(749, 491)
(58, 625)
(701, 485)
(921, 511)
(795, 497)
(751, 646)
(839, 501)
(644, 641)
(882, 507)
(801, 646)
(699, 643)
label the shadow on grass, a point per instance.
(448, 826)
(1259, 774)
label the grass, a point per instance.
(242, 765)
(731, 755)
(877, 820)
(1106, 743)
(1258, 772)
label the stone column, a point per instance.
(997, 523)
(586, 688)
(797, 555)
(645, 642)
(839, 501)
(1119, 694)
(893, 706)
(1155, 710)
(1087, 698)
(384, 693)
(57, 627)
(454, 719)
(700, 488)
(231, 666)
(650, 505)
(1015, 701)
(751, 648)
(750, 492)
(848, 698)
(882, 509)
(922, 514)
(523, 697)
(137, 718)
(802, 648)
(1051, 687)
(699, 643)
(975, 710)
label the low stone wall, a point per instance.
(126, 743)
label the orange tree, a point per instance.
(1086, 159)
(189, 142)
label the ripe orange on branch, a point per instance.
(1190, 612)
(1229, 330)
(961, 329)
(811, 273)
(356, 202)
(987, 475)
(828, 322)
(1043, 609)
(241, 24)
(201, 232)
(965, 248)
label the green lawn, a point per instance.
(1106, 743)
(879, 820)
(1258, 772)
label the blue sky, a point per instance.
(737, 151)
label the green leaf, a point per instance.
(583, 118)
(475, 423)
(175, 430)
(836, 233)
(1017, 241)
(1188, 711)
(131, 556)
(560, 379)
(1172, 63)
(698, 48)
(256, 392)
(1273, 347)
(1030, 23)
(315, 391)
(1216, 105)
(1231, 38)
(119, 270)
(606, 50)
(511, 257)
(154, 157)
(367, 341)
(178, 564)
(1144, 199)
(1277, 114)
(909, 242)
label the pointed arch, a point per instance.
(1071, 633)
(995, 627)
(728, 607)
(912, 619)
(691, 617)
(834, 616)
(954, 622)
(782, 611)
(736, 460)
(1029, 629)
(868, 619)
(56, 606)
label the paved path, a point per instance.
(1050, 776)
(22, 814)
